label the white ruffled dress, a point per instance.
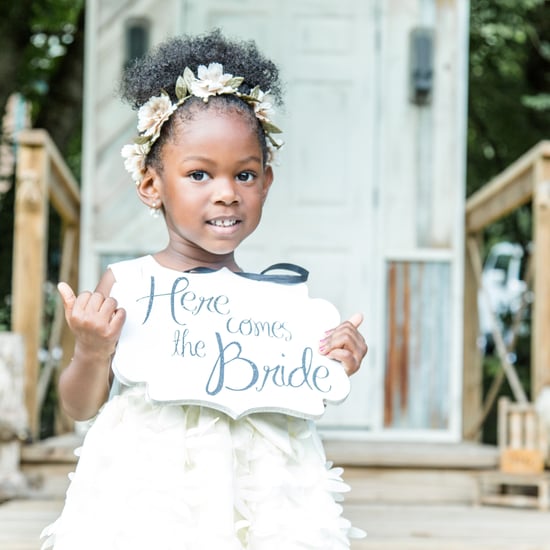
(164, 476)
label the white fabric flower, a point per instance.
(134, 159)
(263, 108)
(153, 114)
(211, 81)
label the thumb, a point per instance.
(356, 319)
(67, 296)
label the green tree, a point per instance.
(509, 112)
(509, 99)
(41, 58)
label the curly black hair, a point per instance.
(159, 70)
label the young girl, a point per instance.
(165, 476)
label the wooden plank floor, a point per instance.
(402, 508)
(390, 526)
(22, 521)
(450, 527)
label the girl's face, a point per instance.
(212, 187)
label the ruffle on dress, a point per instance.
(190, 478)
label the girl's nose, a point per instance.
(225, 191)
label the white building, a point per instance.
(369, 191)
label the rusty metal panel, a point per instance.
(417, 366)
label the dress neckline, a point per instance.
(295, 273)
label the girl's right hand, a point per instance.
(95, 320)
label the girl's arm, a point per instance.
(346, 344)
(96, 323)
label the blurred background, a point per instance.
(396, 113)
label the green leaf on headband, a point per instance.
(270, 128)
(255, 93)
(248, 99)
(181, 88)
(188, 77)
(275, 144)
(235, 82)
(142, 140)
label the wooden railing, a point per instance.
(526, 180)
(42, 178)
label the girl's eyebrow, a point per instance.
(197, 157)
(251, 158)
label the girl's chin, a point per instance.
(218, 253)
(221, 248)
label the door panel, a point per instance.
(320, 204)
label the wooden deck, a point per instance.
(407, 496)
(389, 526)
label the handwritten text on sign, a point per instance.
(228, 342)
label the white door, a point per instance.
(320, 211)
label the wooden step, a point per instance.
(380, 472)
(48, 463)
(418, 454)
(409, 485)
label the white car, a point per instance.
(504, 287)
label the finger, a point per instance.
(344, 336)
(346, 345)
(67, 296)
(98, 303)
(355, 351)
(349, 362)
(109, 305)
(356, 319)
(117, 320)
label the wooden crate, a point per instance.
(522, 438)
(521, 480)
(518, 490)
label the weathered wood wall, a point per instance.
(369, 181)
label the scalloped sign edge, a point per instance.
(249, 348)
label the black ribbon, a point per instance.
(298, 274)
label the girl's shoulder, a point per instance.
(130, 268)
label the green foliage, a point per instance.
(47, 29)
(509, 104)
(6, 253)
(35, 41)
(509, 112)
(539, 102)
(52, 28)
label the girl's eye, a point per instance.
(246, 177)
(198, 175)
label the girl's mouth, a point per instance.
(223, 222)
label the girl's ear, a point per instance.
(268, 180)
(148, 189)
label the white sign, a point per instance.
(232, 343)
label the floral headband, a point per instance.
(211, 81)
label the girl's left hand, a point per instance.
(345, 344)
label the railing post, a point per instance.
(472, 393)
(540, 335)
(29, 262)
